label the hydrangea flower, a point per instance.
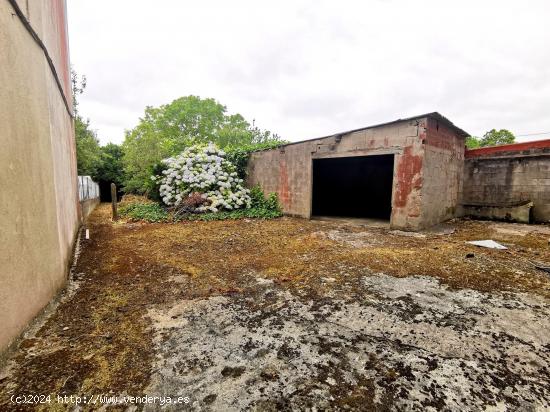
(203, 169)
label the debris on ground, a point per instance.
(417, 235)
(491, 244)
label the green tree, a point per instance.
(88, 152)
(497, 137)
(492, 138)
(167, 130)
(110, 167)
(473, 142)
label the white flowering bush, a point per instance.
(204, 170)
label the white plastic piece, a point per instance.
(491, 244)
(87, 233)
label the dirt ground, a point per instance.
(291, 314)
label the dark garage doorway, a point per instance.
(353, 186)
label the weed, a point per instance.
(150, 212)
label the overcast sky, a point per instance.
(305, 69)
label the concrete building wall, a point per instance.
(287, 171)
(443, 170)
(508, 175)
(39, 208)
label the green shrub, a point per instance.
(239, 155)
(257, 196)
(149, 212)
(261, 208)
(152, 186)
(252, 213)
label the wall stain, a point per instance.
(284, 190)
(408, 176)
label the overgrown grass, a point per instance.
(149, 212)
(252, 213)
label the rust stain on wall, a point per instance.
(58, 16)
(284, 191)
(408, 176)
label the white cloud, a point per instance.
(311, 68)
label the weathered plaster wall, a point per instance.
(39, 209)
(443, 171)
(287, 171)
(508, 175)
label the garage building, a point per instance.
(408, 172)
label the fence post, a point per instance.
(113, 201)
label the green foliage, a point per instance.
(167, 130)
(239, 155)
(252, 213)
(257, 196)
(77, 88)
(495, 138)
(110, 165)
(88, 151)
(152, 187)
(259, 201)
(472, 142)
(262, 208)
(491, 138)
(272, 204)
(149, 212)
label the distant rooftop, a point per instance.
(506, 148)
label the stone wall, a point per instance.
(39, 206)
(509, 175)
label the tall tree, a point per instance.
(110, 167)
(497, 137)
(167, 130)
(88, 153)
(492, 138)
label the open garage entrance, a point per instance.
(359, 187)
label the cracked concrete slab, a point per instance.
(411, 343)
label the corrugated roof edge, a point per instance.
(433, 115)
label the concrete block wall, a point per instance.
(512, 174)
(288, 170)
(443, 171)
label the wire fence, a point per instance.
(87, 188)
